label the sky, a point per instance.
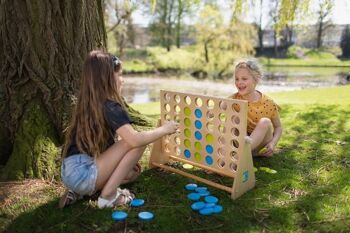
(340, 14)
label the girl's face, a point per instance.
(244, 82)
(119, 79)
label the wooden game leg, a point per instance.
(245, 176)
(157, 153)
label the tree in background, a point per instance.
(221, 44)
(323, 19)
(345, 42)
(167, 20)
(163, 21)
(183, 8)
(120, 12)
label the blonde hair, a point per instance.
(253, 67)
(88, 127)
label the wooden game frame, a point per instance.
(231, 155)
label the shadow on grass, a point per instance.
(309, 192)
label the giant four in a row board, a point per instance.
(212, 137)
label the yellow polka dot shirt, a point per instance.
(264, 107)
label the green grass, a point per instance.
(313, 62)
(309, 193)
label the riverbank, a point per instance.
(187, 60)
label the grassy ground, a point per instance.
(309, 193)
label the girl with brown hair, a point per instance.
(92, 160)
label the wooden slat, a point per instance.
(208, 182)
(232, 175)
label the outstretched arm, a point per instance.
(138, 139)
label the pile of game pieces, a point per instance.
(145, 215)
(208, 206)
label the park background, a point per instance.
(304, 47)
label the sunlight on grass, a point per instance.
(332, 95)
(309, 193)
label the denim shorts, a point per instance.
(79, 173)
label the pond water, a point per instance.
(145, 88)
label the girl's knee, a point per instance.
(265, 122)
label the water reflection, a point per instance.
(143, 89)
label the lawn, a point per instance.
(309, 193)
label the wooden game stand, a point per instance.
(243, 172)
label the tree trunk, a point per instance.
(319, 35)
(178, 23)
(43, 46)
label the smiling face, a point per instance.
(244, 81)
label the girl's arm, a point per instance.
(138, 139)
(277, 132)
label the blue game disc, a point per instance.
(198, 124)
(193, 196)
(204, 193)
(198, 205)
(119, 215)
(209, 149)
(191, 186)
(145, 216)
(209, 160)
(217, 209)
(206, 211)
(208, 205)
(137, 202)
(198, 113)
(198, 135)
(211, 199)
(187, 153)
(201, 189)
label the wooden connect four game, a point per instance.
(211, 136)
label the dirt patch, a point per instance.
(34, 189)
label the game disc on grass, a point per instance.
(203, 194)
(217, 209)
(206, 211)
(198, 205)
(268, 170)
(208, 205)
(187, 166)
(211, 199)
(201, 189)
(119, 215)
(193, 196)
(145, 216)
(137, 202)
(191, 186)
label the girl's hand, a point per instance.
(170, 127)
(267, 150)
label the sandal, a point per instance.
(123, 197)
(69, 197)
(135, 173)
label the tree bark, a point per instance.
(43, 45)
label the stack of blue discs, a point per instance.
(207, 207)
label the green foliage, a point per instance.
(296, 52)
(220, 44)
(345, 42)
(299, 52)
(137, 66)
(176, 59)
(319, 54)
